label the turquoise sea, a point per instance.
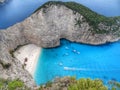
(82, 61)
(70, 59)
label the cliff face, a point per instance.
(10, 67)
(52, 22)
(48, 25)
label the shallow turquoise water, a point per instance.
(73, 59)
(70, 58)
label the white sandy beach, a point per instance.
(28, 55)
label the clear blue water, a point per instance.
(16, 10)
(82, 61)
(71, 59)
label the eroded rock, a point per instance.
(45, 28)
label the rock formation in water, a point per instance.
(50, 23)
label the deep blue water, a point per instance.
(71, 59)
(16, 10)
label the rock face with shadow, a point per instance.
(55, 20)
(50, 23)
(10, 67)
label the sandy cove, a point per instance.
(28, 55)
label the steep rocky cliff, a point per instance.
(50, 23)
(56, 20)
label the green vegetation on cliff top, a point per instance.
(70, 83)
(92, 17)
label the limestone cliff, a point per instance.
(52, 22)
(56, 20)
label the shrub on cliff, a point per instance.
(12, 85)
(87, 84)
(71, 83)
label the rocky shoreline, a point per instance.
(52, 22)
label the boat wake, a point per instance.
(93, 70)
(74, 69)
